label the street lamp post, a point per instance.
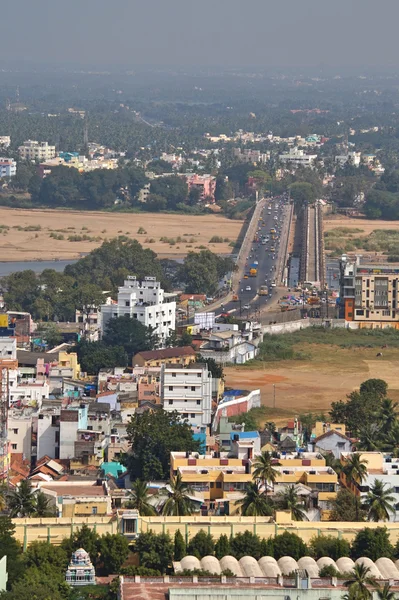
(274, 395)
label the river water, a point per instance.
(35, 265)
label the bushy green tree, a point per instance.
(327, 545)
(372, 543)
(11, 548)
(153, 436)
(245, 544)
(180, 549)
(201, 545)
(85, 537)
(346, 507)
(155, 551)
(222, 547)
(113, 550)
(289, 544)
(130, 334)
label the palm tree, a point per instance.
(359, 581)
(139, 499)
(289, 500)
(355, 469)
(379, 502)
(370, 438)
(178, 503)
(263, 469)
(42, 506)
(333, 462)
(385, 592)
(355, 472)
(255, 503)
(21, 500)
(387, 414)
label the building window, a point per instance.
(386, 313)
(192, 415)
(171, 388)
(14, 446)
(127, 303)
(198, 374)
(193, 388)
(198, 402)
(15, 431)
(94, 510)
(170, 401)
(218, 485)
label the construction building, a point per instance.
(369, 294)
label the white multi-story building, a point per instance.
(145, 301)
(297, 158)
(8, 167)
(33, 150)
(48, 433)
(71, 420)
(353, 158)
(29, 394)
(19, 433)
(188, 390)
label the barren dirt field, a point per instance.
(311, 385)
(32, 234)
(367, 225)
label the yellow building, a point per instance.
(78, 498)
(320, 428)
(215, 478)
(70, 361)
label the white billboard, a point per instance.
(205, 320)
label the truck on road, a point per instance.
(253, 269)
(263, 290)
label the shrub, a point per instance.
(216, 239)
(327, 545)
(328, 571)
(141, 231)
(289, 544)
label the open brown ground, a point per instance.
(312, 385)
(367, 225)
(38, 245)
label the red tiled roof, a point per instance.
(328, 433)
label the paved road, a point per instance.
(250, 303)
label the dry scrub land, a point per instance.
(311, 385)
(48, 234)
(374, 239)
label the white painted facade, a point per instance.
(48, 434)
(188, 390)
(33, 150)
(145, 301)
(29, 394)
(297, 158)
(19, 433)
(8, 348)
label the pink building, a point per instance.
(205, 183)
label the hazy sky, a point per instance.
(203, 32)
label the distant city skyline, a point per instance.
(341, 33)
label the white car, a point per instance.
(248, 288)
(246, 307)
(274, 284)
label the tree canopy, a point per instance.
(153, 436)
